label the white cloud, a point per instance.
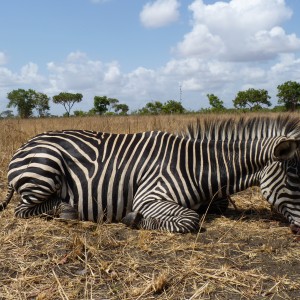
(273, 42)
(28, 75)
(197, 74)
(140, 81)
(238, 30)
(7, 77)
(76, 73)
(159, 13)
(197, 77)
(201, 42)
(287, 68)
(113, 73)
(76, 56)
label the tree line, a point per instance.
(28, 101)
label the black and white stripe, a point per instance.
(157, 180)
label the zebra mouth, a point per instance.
(295, 228)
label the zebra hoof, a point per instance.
(132, 219)
(69, 216)
(67, 212)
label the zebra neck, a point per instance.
(228, 167)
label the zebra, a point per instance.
(157, 180)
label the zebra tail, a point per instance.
(10, 192)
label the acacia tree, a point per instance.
(289, 94)
(252, 98)
(26, 100)
(67, 100)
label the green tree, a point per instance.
(154, 108)
(151, 108)
(42, 104)
(215, 103)
(102, 104)
(67, 100)
(289, 94)
(24, 100)
(121, 109)
(173, 107)
(252, 98)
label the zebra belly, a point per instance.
(101, 199)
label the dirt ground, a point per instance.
(248, 253)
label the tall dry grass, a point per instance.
(15, 132)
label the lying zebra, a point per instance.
(157, 180)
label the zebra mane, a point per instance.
(243, 128)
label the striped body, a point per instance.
(102, 174)
(166, 178)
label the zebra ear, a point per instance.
(286, 149)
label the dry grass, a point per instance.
(249, 254)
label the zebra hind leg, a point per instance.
(162, 215)
(65, 211)
(53, 207)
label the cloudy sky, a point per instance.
(139, 50)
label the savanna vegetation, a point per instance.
(248, 253)
(31, 103)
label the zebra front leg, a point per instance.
(163, 215)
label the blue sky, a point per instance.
(139, 51)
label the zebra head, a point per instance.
(280, 181)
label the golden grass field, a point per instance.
(249, 253)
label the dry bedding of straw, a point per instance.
(246, 254)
